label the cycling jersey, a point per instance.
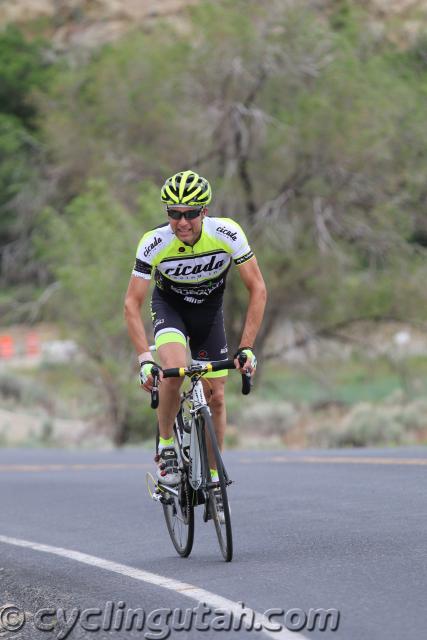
(192, 274)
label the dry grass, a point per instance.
(364, 424)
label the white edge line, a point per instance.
(182, 588)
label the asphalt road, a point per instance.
(340, 530)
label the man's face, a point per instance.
(187, 231)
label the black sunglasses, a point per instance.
(176, 214)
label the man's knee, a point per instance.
(172, 355)
(171, 384)
(217, 398)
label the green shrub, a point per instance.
(26, 392)
(370, 425)
(267, 418)
(23, 69)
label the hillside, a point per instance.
(90, 23)
(310, 124)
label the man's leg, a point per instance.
(172, 354)
(171, 342)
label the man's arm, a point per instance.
(254, 282)
(135, 296)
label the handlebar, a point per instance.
(181, 372)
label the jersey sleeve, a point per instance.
(234, 237)
(149, 252)
(143, 262)
(142, 269)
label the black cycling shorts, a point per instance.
(203, 325)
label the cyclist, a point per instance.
(189, 256)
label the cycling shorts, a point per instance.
(203, 326)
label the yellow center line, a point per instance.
(70, 467)
(40, 468)
(338, 460)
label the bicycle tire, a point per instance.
(223, 529)
(179, 515)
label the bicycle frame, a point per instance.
(198, 465)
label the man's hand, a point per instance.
(251, 361)
(145, 377)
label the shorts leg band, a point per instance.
(166, 336)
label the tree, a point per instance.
(23, 71)
(312, 135)
(90, 251)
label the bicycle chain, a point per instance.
(187, 499)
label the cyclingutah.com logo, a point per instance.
(160, 623)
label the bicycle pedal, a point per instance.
(152, 486)
(155, 490)
(160, 495)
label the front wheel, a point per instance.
(221, 517)
(179, 516)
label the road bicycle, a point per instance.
(193, 425)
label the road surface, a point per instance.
(336, 530)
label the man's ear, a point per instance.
(204, 211)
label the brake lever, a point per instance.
(155, 389)
(246, 377)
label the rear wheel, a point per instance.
(218, 495)
(179, 516)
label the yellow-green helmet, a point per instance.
(186, 187)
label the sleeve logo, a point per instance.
(244, 258)
(227, 232)
(152, 246)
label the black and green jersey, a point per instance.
(193, 273)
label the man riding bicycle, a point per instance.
(189, 256)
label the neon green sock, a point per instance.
(166, 442)
(214, 475)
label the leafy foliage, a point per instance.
(89, 252)
(312, 139)
(23, 72)
(311, 131)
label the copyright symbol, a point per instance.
(11, 618)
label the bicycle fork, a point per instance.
(198, 459)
